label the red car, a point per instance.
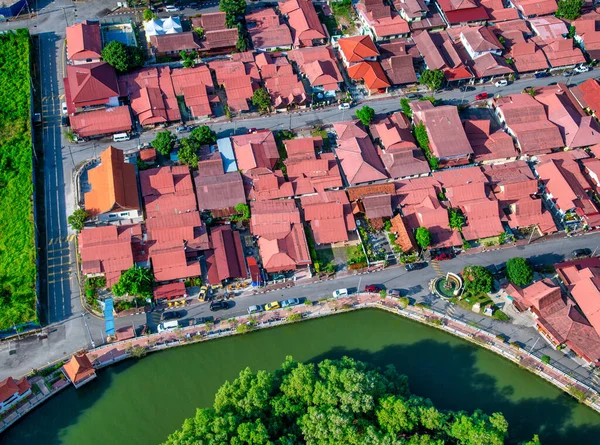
(373, 288)
(443, 256)
(482, 96)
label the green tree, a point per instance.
(569, 9)
(77, 219)
(135, 281)
(262, 100)
(366, 115)
(232, 9)
(420, 133)
(200, 31)
(423, 237)
(331, 402)
(572, 32)
(519, 271)
(242, 212)
(477, 280)
(405, 105)
(122, 57)
(188, 153)
(432, 79)
(204, 135)
(456, 219)
(148, 15)
(164, 142)
(189, 58)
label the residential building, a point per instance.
(255, 150)
(220, 193)
(397, 63)
(90, 86)
(267, 31)
(587, 95)
(587, 33)
(158, 27)
(440, 53)
(480, 40)
(169, 291)
(283, 85)
(110, 250)
(357, 49)
(318, 65)
(548, 27)
(217, 38)
(307, 29)
(357, 155)
(83, 42)
(447, 139)
(405, 239)
(561, 53)
(171, 45)
(100, 123)
(516, 189)
(526, 121)
(534, 8)
(79, 370)
(432, 20)
(267, 184)
(13, 392)
(380, 20)
(497, 11)
(240, 78)
(565, 189)
(399, 152)
(225, 258)
(114, 193)
(377, 206)
(196, 86)
(488, 146)
(527, 57)
(411, 10)
(371, 75)
(330, 216)
(457, 12)
(167, 190)
(282, 243)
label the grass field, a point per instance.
(17, 249)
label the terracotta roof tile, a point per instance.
(79, 368)
(357, 48)
(83, 41)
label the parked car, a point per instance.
(64, 108)
(171, 315)
(338, 293)
(467, 88)
(255, 309)
(582, 69)
(413, 96)
(272, 306)
(171, 8)
(219, 306)
(373, 288)
(501, 83)
(203, 293)
(394, 292)
(167, 326)
(414, 266)
(289, 303)
(542, 74)
(64, 121)
(568, 73)
(581, 253)
(182, 129)
(443, 256)
(204, 320)
(344, 106)
(482, 96)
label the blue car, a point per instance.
(542, 74)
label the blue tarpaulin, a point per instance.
(109, 317)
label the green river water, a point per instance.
(141, 402)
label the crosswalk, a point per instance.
(436, 266)
(61, 240)
(52, 98)
(450, 309)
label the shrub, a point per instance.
(243, 328)
(423, 237)
(477, 279)
(404, 302)
(545, 359)
(519, 271)
(294, 317)
(366, 115)
(137, 351)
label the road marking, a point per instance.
(70, 277)
(62, 96)
(60, 265)
(58, 249)
(68, 255)
(62, 272)
(60, 240)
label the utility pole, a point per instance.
(538, 339)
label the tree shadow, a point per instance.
(449, 376)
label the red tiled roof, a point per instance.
(186, 229)
(304, 22)
(169, 262)
(101, 122)
(490, 65)
(588, 94)
(439, 52)
(378, 205)
(219, 192)
(266, 30)
(357, 48)
(560, 52)
(273, 219)
(382, 19)
(270, 185)
(91, 84)
(405, 239)
(113, 184)
(319, 66)
(527, 56)
(169, 291)
(359, 160)
(588, 28)
(348, 130)
(226, 258)
(181, 41)
(167, 190)
(83, 41)
(280, 81)
(371, 73)
(466, 15)
(255, 150)
(78, 368)
(240, 78)
(9, 387)
(497, 11)
(531, 8)
(285, 253)
(488, 146)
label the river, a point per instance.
(141, 402)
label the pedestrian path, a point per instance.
(436, 266)
(59, 240)
(51, 98)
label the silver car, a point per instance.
(255, 309)
(289, 303)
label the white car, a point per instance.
(172, 8)
(289, 303)
(582, 69)
(63, 107)
(501, 83)
(339, 293)
(255, 309)
(344, 106)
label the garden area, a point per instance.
(342, 20)
(322, 258)
(17, 246)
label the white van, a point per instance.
(168, 326)
(120, 137)
(501, 83)
(340, 293)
